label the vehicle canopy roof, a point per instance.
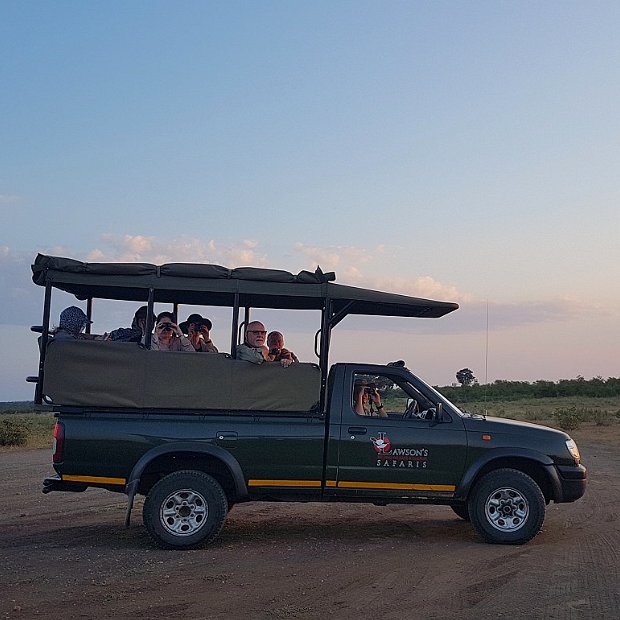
(214, 285)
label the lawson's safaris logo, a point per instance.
(412, 458)
(381, 443)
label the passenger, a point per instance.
(136, 332)
(277, 352)
(197, 329)
(364, 396)
(168, 336)
(71, 326)
(253, 348)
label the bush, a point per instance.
(602, 417)
(568, 418)
(13, 432)
(533, 414)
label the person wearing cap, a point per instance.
(168, 335)
(72, 324)
(136, 332)
(197, 329)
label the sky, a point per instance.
(460, 151)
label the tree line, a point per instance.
(516, 390)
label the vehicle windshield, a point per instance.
(445, 401)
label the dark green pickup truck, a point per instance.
(198, 433)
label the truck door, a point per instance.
(400, 450)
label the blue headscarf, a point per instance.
(73, 320)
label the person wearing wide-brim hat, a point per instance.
(197, 329)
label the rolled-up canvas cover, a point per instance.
(214, 285)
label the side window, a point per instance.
(388, 397)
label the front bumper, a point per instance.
(573, 481)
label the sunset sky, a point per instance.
(462, 151)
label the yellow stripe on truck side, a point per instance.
(344, 484)
(284, 483)
(394, 486)
(94, 479)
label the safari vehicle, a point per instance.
(197, 433)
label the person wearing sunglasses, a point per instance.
(253, 348)
(168, 335)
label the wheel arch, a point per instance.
(174, 456)
(536, 465)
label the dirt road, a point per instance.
(69, 556)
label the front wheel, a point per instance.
(184, 510)
(507, 507)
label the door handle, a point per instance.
(357, 430)
(226, 435)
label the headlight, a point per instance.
(574, 450)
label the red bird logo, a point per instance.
(381, 443)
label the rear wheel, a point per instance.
(507, 507)
(184, 510)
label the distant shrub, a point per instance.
(13, 432)
(533, 415)
(602, 417)
(568, 418)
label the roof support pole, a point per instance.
(149, 319)
(89, 313)
(326, 316)
(336, 318)
(47, 302)
(235, 326)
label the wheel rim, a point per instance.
(507, 509)
(183, 512)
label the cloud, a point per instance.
(140, 248)
(9, 199)
(21, 299)
(333, 258)
(471, 318)
(353, 267)
(349, 263)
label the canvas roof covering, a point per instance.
(214, 285)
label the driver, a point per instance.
(364, 397)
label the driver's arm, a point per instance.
(376, 399)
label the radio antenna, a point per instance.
(486, 361)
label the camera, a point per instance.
(165, 327)
(371, 388)
(274, 351)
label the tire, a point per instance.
(507, 507)
(461, 510)
(185, 510)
